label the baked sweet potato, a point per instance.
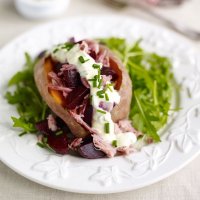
(56, 101)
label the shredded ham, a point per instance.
(126, 126)
(81, 122)
(149, 140)
(106, 79)
(55, 79)
(84, 46)
(102, 145)
(117, 129)
(63, 89)
(57, 84)
(103, 57)
(83, 106)
(108, 106)
(66, 67)
(89, 46)
(85, 82)
(75, 143)
(52, 123)
(125, 150)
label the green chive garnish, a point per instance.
(99, 74)
(68, 46)
(82, 60)
(23, 133)
(92, 79)
(91, 99)
(100, 92)
(96, 66)
(55, 50)
(96, 77)
(100, 82)
(114, 143)
(44, 139)
(41, 145)
(95, 83)
(101, 111)
(107, 127)
(59, 133)
(106, 97)
(108, 86)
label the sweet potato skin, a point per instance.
(119, 112)
(42, 85)
(124, 87)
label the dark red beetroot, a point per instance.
(57, 66)
(71, 78)
(76, 97)
(93, 55)
(43, 127)
(108, 71)
(59, 143)
(88, 115)
(89, 151)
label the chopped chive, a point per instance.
(95, 83)
(91, 79)
(101, 111)
(107, 127)
(59, 133)
(23, 133)
(55, 50)
(100, 82)
(106, 97)
(101, 96)
(91, 99)
(96, 66)
(188, 92)
(44, 139)
(114, 143)
(99, 74)
(100, 92)
(140, 137)
(41, 145)
(96, 77)
(82, 60)
(108, 86)
(68, 46)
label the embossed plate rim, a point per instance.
(105, 175)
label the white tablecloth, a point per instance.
(184, 185)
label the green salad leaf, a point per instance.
(152, 80)
(29, 103)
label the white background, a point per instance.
(184, 185)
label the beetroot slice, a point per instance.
(89, 151)
(58, 143)
(108, 71)
(43, 127)
(71, 78)
(88, 114)
(76, 97)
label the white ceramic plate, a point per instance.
(180, 141)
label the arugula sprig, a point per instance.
(25, 96)
(152, 80)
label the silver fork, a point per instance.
(178, 27)
(165, 3)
